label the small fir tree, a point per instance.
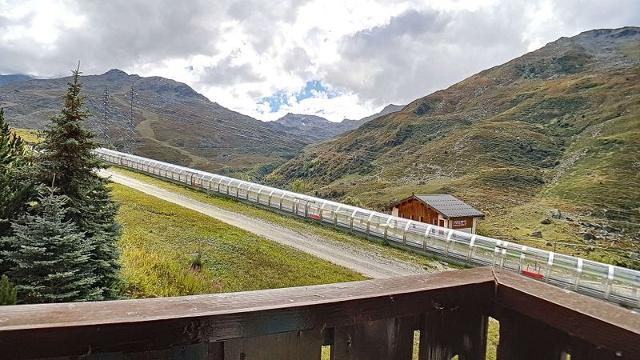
(12, 149)
(8, 292)
(66, 156)
(12, 159)
(52, 258)
(66, 151)
(103, 235)
(16, 183)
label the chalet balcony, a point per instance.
(436, 316)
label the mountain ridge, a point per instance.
(552, 126)
(259, 146)
(171, 121)
(316, 128)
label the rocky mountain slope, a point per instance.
(171, 121)
(312, 128)
(389, 109)
(553, 132)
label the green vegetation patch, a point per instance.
(553, 107)
(168, 250)
(510, 178)
(28, 135)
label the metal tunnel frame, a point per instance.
(604, 281)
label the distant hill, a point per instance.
(555, 129)
(171, 121)
(312, 128)
(6, 79)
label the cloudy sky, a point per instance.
(334, 58)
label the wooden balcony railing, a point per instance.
(376, 319)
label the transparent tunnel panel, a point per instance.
(360, 219)
(593, 278)
(343, 217)
(415, 234)
(625, 286)
(483, 251)
(459, 245)
(287, 202)
(564, 270)
(377, 224)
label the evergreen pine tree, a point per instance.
(12, 147)
(8, 292)
(66, 156)
(52, 258)
(16, 183)
(12, 158)
(104, 235)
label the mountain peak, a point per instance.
(115, 73)
(391, 108)
(291, 118)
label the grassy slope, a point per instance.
(287, 221)
(28, 135)
(160, 240)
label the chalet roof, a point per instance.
(448, 205)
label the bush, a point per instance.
(196, 262)
(8, 292)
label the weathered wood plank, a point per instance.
(380, 339)
(297, 345)
(132, 325)
(63, 315)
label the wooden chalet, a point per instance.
(439, 209)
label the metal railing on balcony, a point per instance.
(604, 281)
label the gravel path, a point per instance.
(365, 262)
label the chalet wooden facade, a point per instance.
(439, 209)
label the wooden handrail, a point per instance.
(450, 310)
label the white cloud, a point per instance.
(372, 52)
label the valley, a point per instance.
(546, 144)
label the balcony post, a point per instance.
(522, 338)
(380, 339)
(449, 331)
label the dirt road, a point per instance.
(365, 262)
